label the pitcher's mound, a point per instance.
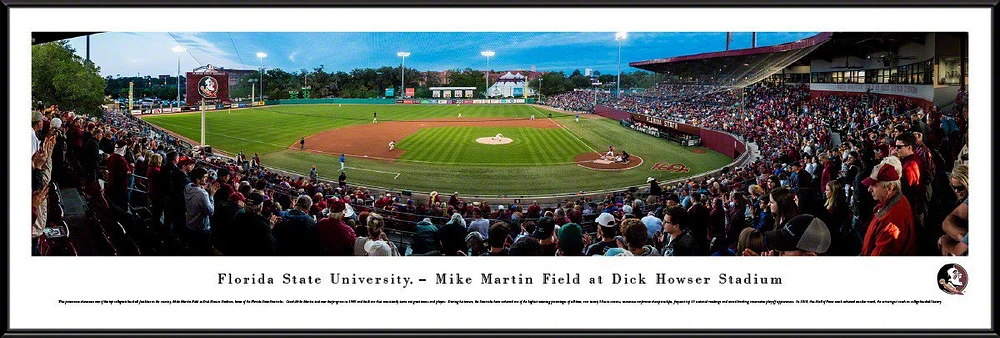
(494, 140)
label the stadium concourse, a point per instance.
(837, 174)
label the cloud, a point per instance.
(194, 41)
(149, 53)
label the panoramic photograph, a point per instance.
(499, 144)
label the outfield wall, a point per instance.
(724, 143)
(612, 113)
(337, 101)
(398, 101)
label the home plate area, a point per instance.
(597, 161)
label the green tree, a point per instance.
(468, 78)
(60, 77)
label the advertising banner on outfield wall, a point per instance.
(467, 101)
(409, 92)
(444, 102)
(241, 105)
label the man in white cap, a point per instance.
(607, 229)
(654, 187)
(892, 230)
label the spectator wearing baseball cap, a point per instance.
(226, 189)
(607, 230)
(335, 236)
(654, 186)
(223, 227)
(803, 235)
(570, 240)
(544, 233)
(799, 178)
(891, 231)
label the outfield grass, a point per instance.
(269, 129)
(537, 163)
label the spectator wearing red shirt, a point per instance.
(891, 232)
(335, 236)
(118, 173)
(914, 188)
(153, 186)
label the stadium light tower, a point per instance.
(261, 56)
(179, 50)
(540, 89)
(620, 36)
(488, 54)
(402, 73)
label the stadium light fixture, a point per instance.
(261, 56)
(402, 73)
(488, 54)
(620, 36)
(179, 50)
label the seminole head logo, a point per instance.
(208, 87)
(952, 279)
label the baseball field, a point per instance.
(485, 150)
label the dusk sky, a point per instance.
(150, 53)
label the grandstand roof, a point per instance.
(860, 45)
(734, 68)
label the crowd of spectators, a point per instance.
(853, 161)
(577, 100)
(858, 174)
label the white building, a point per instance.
(511, 85)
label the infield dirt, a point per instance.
(372, 140)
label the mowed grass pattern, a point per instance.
(539, 170)
(269, 129)
(457, 145)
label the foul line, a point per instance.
(224, 135)
(376, 171)
(570, 132)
